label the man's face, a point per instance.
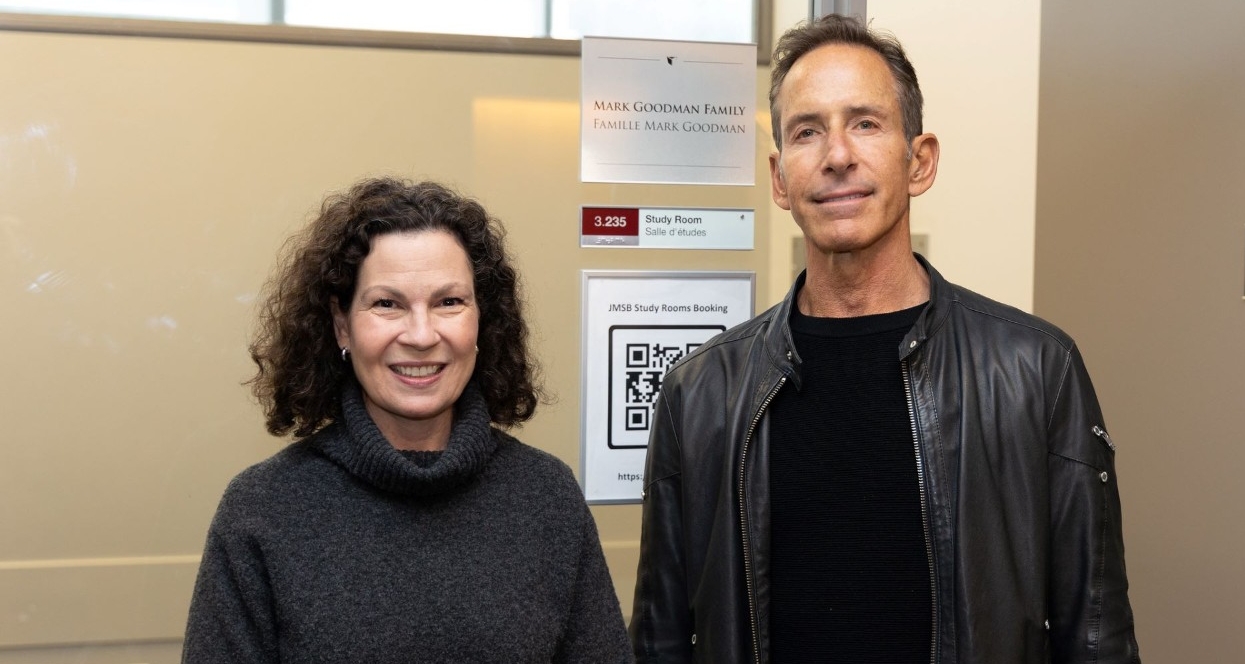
(844, 171)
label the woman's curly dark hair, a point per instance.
(301, 372)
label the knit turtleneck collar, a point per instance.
(358, 446)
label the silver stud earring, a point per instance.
(345, 353)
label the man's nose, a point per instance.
(839, 154)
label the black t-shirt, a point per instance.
(850, 568)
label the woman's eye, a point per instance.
(452, 302)
(384, 303)
(868, 124)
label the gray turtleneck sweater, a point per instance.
(342, 549)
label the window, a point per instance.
(693, 20)
(549, 24)
(233, 11)
(503, 18)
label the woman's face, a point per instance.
(411, 330)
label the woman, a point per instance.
(401, 526)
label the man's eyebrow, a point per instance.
(866, 109)
(798, 118)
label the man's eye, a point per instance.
(868, 124)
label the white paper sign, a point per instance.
(636, 325)
(667, 112)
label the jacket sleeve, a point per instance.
(661, 625)
(1089, 613)
(595, 633)
(231, 612)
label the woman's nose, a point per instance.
(419, 330)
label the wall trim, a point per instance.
(75, 601)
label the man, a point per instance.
(884, 467)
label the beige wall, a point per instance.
(145, 185)
(1141, 256)
(977, 62)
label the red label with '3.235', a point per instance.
(610, 221)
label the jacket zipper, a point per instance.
(1102, 433)
(929, 545)
(743, 521)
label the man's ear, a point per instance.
(777, 182)
(341, 326)
(923, 167)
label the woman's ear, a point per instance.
(341, 324)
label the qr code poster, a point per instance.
(636, 326)
(640, 356)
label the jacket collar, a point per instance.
(778, 342)
(782, 349)
(941, 297)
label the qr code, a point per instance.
(640, 356)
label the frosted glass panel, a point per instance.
(691, 20)
(509, 18)
(236, 11)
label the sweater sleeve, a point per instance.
(232, 620)
(595, 632)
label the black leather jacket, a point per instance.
(1016, 474)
